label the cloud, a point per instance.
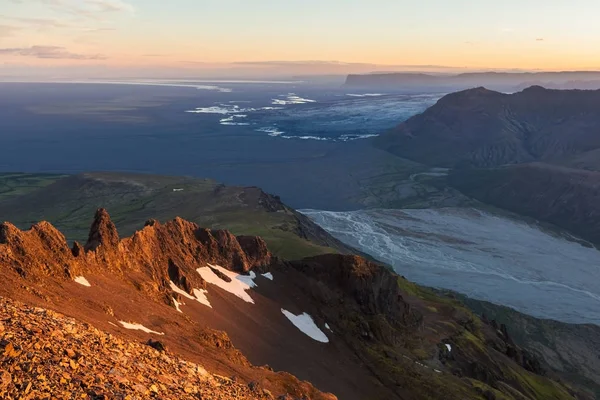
(539, 39)
(105, 29)
(93, 9)
(49, 52)
(40, 23)
(7, 30)
(111, 5)
(294, 63)
(90, 8)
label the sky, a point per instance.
(158, 37)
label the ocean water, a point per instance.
(485, 256)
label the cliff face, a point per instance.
(482, 128)
(379, 336)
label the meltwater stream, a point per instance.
(485, 256)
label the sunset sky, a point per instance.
(334, 35)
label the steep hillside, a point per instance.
(565, 197)
(482, 128)
(347, 325)
(567, 348)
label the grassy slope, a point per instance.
(69, 203)
(569, 349)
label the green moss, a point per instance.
(542, 388)
(483, 388)
(469, 339)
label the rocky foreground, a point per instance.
(44, 355)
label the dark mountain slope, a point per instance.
(566, 348)
(565, 197)
(482, 128)
(385, 338)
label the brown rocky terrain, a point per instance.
(384, 338)
(47, 355)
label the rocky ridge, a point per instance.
(387, 338)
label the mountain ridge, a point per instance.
(484, 128)
(392, 336)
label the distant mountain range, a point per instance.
(504, 81)
(483, 128)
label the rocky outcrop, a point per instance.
(37, 253)
(150, 258)
(373, 288)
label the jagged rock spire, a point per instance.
(103, 232)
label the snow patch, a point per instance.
(82, 281)
(239, 283)
(201, 297)
(199, 294)
(138, 327)
(449, 347)
(328, 328)
(307, 325)
(178, 190)
(268, 275)
(177, 304)
(438, 371)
